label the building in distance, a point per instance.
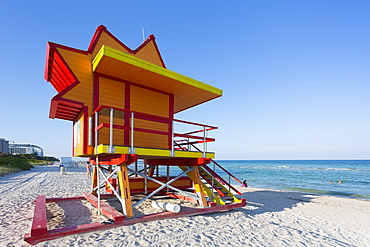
(4, 146)
(17, 148)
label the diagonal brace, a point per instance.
(169, 186)
(161, 187)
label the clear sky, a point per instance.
(295, 74)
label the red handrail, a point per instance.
(156, 118)
(231, 175)
(219, 178)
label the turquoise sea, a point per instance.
(311, 176)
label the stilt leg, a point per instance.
(124, 187)
(94, 180)
(194, 175)
(151, 171)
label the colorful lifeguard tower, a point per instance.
(122, 103)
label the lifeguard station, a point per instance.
(122, 103)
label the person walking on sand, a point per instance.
(88, 172)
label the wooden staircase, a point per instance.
(215, 187)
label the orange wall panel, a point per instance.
(150, 140)
(104, 135)
(150, 125)
(111, 93)
(151, 102)
(81, 66)
(154, 103)
(118, 136)
(150, 54)
(107, 40)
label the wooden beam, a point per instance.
(124, 186)
(194, 175)
(105, 208)
(39, 222)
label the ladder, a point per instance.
(214, 186)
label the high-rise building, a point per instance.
(4, 146)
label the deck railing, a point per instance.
(214, 168)
(130, 128)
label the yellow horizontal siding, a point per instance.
(122, 150)
(152, 152)
(101, 149)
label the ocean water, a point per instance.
(311, 176)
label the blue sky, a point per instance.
(295, 74)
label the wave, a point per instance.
(341, 169)
(301, 168)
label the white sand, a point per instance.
(271, 218)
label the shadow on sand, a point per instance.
(264, 201)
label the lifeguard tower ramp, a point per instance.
(122, 103)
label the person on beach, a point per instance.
(244, 184)
(88, 172)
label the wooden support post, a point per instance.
(124, 186)
(194, 175)
(151, 171)
(94, 180)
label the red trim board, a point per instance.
(105, 208)
(58, 233)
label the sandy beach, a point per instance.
(271, 217)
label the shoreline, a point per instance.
(270, 218)
(308, 192)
